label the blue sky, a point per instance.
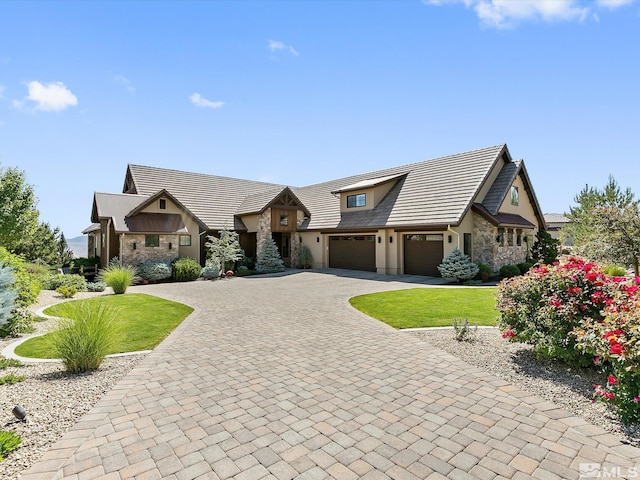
(302, 92)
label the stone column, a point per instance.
(264, 231)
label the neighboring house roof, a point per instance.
(556, 218)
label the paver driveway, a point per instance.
(280, 378)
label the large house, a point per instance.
(401, 220)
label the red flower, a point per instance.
(591, 276)
(631, 289)
(509, 333)
(612, 380)
(555, 302)
(576, 290)
(609, 395)
(616, 348)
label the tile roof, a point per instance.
(502, 219)
(501, 186)
(213, 199)
(115, 206)
(433, 193)
(436, 192)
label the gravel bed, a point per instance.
(53, 399)
(567, 387)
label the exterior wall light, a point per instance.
(449, 238)
(170, 245)
(134, 245)
(379, 239)
(390, 239)
(317, 239)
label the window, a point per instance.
(162, 204)
(359, 200)
(514, 196)
(284, 219)
(152, 240)
(467, 244)
(185, 240)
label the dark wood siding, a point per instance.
(423, 254)
(353, 252)
(284, 220)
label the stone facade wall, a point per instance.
(91, 245)
(142, 254)
(488, 251)
(264, 230)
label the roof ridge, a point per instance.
(204, 174)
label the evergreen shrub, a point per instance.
(186, 270)
(269, 260)
(458, 266)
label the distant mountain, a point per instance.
(78, 245)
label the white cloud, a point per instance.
(275, 46)
(199, 101)
(124, 82)
(50, 97)
(508, 13)
(613, 4)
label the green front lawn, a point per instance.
(430, 307)
(146, 321)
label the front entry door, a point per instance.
(283, 242)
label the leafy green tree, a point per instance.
(545, 248)
(605, 224)
(18, 213)
(225, 248)
(40, 246)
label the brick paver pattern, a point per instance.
(279, 378)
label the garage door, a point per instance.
(353, 252)
(423, 254)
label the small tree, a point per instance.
(545, 248)
(65, 254)
(458, 266)
(225, 248)
(269, 260)
(18, 213)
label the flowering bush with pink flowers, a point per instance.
(544, 306)
(614, 344)
(573, 312)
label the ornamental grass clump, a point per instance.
(86, 333)
(118, 277)
(9, 441)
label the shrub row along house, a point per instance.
(401, 220)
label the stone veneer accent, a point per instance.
(142, 254)
(486, 250)
(264, 230)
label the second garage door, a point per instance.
(423, 254)
(353, 252)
